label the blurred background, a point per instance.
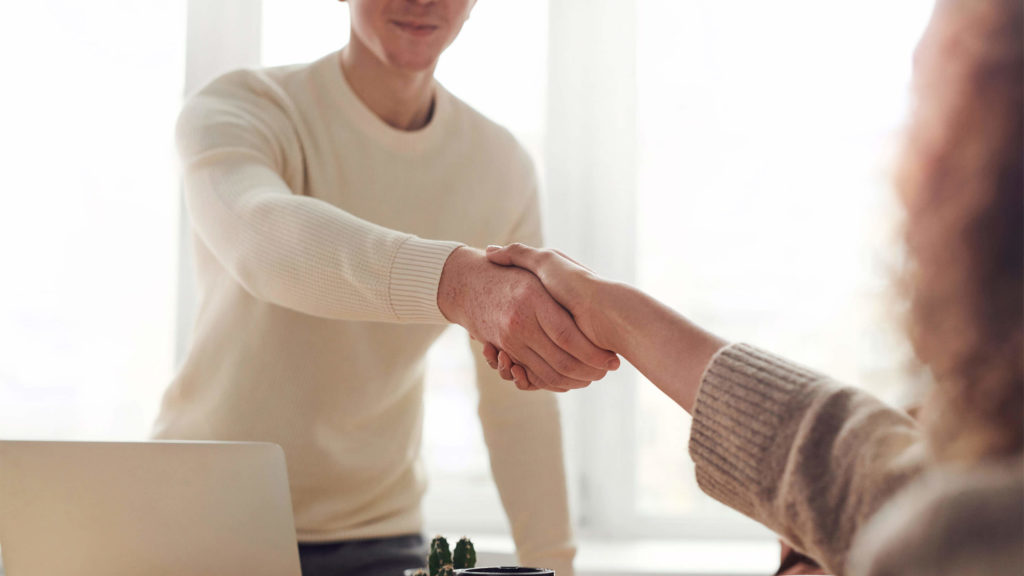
(732, 157)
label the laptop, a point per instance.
(146, 508)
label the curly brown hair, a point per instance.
(962, 185)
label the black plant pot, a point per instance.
(506, 570)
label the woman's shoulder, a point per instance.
(954, 520)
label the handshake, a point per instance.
(534, 310)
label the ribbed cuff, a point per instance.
(745, 399)
(415, 273)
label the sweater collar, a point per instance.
(399, 141)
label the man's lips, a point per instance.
(415, 28)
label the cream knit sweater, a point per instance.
(320, 236)
(846, 479)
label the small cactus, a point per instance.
(465, 554)
(440, 555)
(446, 570)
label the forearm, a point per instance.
(452, 290)
(307, 255)
(664, 346)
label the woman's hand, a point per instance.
(571, 284)
(668, 349)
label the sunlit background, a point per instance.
(730, 157)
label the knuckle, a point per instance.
(525, 292)
(511, 323)
(504, 335)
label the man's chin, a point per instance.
(413, 60)
(415, 64)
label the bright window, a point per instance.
(89, 229)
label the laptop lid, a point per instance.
(154, 508)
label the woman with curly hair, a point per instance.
(857, 485)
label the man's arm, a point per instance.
(236, 141)
(237, 146)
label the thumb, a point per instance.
(498, 255)
(505, 255)
(516, 254)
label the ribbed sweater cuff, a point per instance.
(415, 273)
(745, 399)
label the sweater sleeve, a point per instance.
(807, 457)
(237, 146)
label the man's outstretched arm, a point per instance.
(240, 162)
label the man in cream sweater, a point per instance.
(334, 205)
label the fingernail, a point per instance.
(493, 248)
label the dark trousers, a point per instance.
(373, 557)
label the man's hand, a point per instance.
(510, 309)
(570, 283)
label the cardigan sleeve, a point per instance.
(809, 458)
(239, 153)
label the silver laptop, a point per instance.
(146, 508)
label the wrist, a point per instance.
(613, 302)
(452, 286)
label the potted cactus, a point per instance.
(442, 562)
(506, 570)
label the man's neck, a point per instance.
(402, 99)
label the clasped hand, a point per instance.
(507, 308)
(570, 283)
